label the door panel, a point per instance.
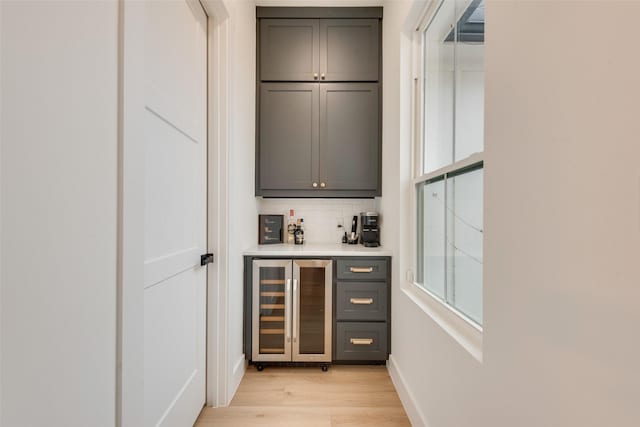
(289, 49)
(175, 212)
(349, 136)
(271, 323)
(349, 49)
(312, 286)
(288, 133)
(171, 309)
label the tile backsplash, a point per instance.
(321, 216)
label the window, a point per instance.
(449, 161)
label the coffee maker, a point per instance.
(370, 236)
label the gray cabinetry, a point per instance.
(361, 341)
(349, 50)
(289, 49)
(317, 310)
(289, 136)
(361, 301)
(332, 50)
(362, 309)
(316, 138)
(349, 135)
(321, 138)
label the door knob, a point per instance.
(322, 76)
(315, 76)
(322, 185)
(314, 185)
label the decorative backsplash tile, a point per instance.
(321, 216)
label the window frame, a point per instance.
(458, 325)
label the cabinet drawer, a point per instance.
(361, 341)
(362, 269)
(361, 301)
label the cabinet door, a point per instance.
(349, 49)
(349, 136)
(311, 333)
(288, 136)
(289, 49)
(271, 325)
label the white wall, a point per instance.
(562, 229)
(321, 216)
(58, 106)
(243, 210)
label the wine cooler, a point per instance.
(291, 313)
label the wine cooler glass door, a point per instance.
(311, 333)
(272, 283)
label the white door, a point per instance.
(175, 64)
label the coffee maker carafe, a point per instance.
(370, 236)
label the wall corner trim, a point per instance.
(239, 368)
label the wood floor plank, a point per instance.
(345, 396)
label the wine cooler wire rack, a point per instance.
(272, 318)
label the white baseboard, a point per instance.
(415, 415)
(239, 368)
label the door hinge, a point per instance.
(206, 259)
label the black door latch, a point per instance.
(206, 259)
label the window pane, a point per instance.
(464, 243)
(469, 88)
(431, 238)
(438, 71)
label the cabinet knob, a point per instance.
(314, 185)
(322, 76)
(322, 185)
(315, 76)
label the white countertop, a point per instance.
(310, 249)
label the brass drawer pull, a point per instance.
(361, 301)
(361, 269)
(361, 341)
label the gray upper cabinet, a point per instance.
(289, 49)
(318, 115)
(349, 132)
(349, 50)
(288, 134)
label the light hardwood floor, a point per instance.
(307, 397)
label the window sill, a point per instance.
(462, 330)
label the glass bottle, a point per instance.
(291, 228)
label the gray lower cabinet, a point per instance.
(361, 301)
(306, 310)
(318, 140)
(362, 309)
(361, 341)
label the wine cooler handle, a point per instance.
(287, 296)
(294, 305)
